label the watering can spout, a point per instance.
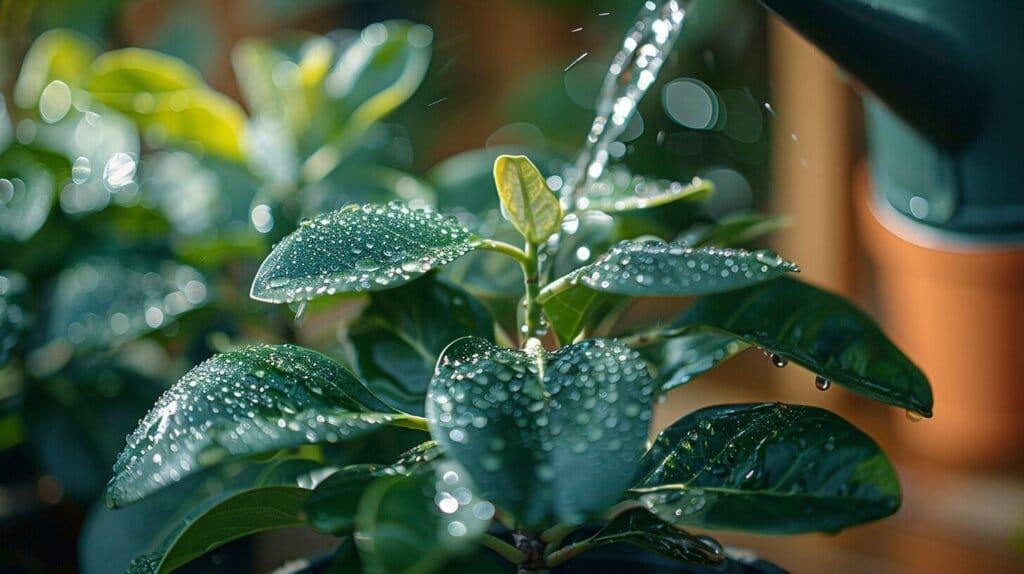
(922, 69)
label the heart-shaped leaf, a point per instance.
(654, 268)
(413, 524)
(641, 528)
(820, 331)
(526, 199)
(211, 526)
(399, 336)
(246, 402)
(366, 248)
(546, 436)
(768, 468)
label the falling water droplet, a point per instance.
(300, 313)
(821, 383)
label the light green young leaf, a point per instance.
(526, 199)
(768, 468)
(56, 56)
(357, 249)
(246, 402)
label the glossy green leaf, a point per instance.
(211, 526)
(821, 332)
(254, 400)
(636, 193)
(653, 268)
(55, 56)
(689, 356)
(549, 437)
(165, 94)
(366, 248)
(400, 335)
(769, 468)
(569, 313)
(526, 199)
(641, 528)
(734, 230)
(413, 524)
(332, 506)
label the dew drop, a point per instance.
(821, 383)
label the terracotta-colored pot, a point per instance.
(957, 310)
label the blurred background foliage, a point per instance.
(151, 152)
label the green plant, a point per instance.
(529, 442)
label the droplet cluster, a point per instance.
(258, 399)
(359, 248)
(638, 267)
(532, 428)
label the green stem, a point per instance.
(557, 533)
(556, 558)
(504, 549)
(531, 271)
(556, 287)
(503, 248)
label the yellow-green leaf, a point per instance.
(57, 55)
(526, 199)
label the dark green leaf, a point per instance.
(242, 514)
(526, 199)
(246, 402)
(366, 248)
(547, 436)
(769, 468)
(400, 335)
(27, 187)
(13, 321)
(159, 91)
(641, 528)
(413, 524)
(689, 356)
(332, 506)
(820, 331)
(653, 268)
(568, 313)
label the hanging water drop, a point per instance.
(914, 416)
(821, 383)
(778, 360)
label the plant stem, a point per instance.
(503, 248)
(557, 557)
(503, 549)
(560, 285)
(531, 272)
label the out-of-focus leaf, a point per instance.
(400, 335)
(549, 437)
(101, 302)
(618, 191)
(641, 528)
(26, 191)
(769, 468)
(168, 98)
(414, 524)
(56, 55)
(360, 184)
(734, 231)
(255, 400)
(13, 321)
(355, 249)
(526, 199)
(820, 331)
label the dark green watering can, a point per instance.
(947, 141)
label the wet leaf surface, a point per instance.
(246, 402)
(415, 523)
(619, 192)
(641, 528)
(653, 268)
(768, 468)
(546, 436)
(820, 331)
(689, 356)
(355, 249)
(399, 336)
